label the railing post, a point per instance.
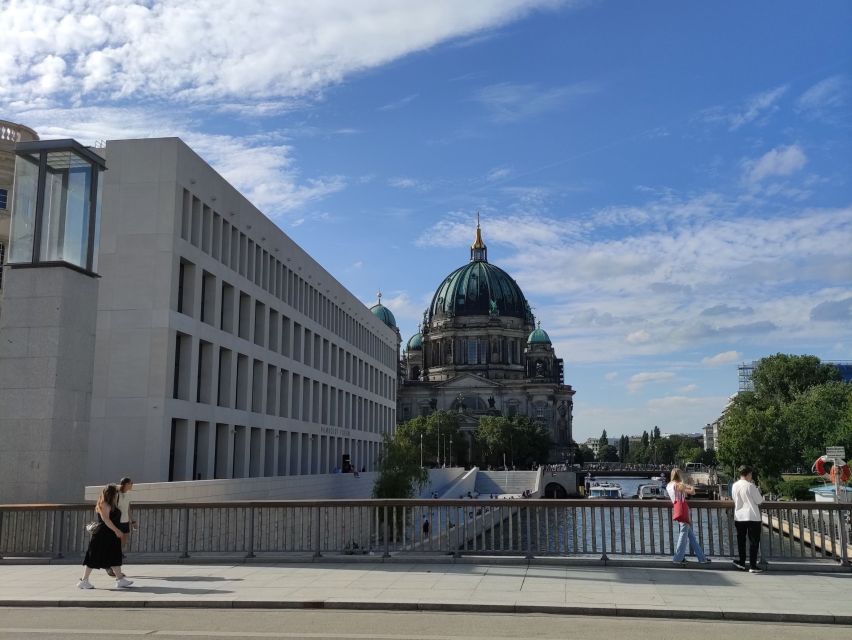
(1, 535)
(387, 535)
(529, 555)
(604, 557)
(844, 537)
(318, 534)
(250, 553)
(58, 553)
(185, 537)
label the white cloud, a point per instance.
(639, 380)
(780, 161)
(826, 95)
(725, 357)
(612, 375)
(690, 388)
(509, 102)
(755, 109)
(262, 168)
(638, 337)
(402, 182)
(399, 104)
(498, 173)
(244, 50)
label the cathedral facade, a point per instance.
(480, 352)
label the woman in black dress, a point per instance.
(105, 546)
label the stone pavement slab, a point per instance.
(673, 592)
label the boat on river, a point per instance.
(605, 490)
(652, 492)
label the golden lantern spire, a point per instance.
(478, 250)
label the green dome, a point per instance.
(479, 289)
(384, 314)
(538, 336)
(415, 343)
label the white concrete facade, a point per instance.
(223, 350)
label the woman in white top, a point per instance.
(678, 490)
(747, 520)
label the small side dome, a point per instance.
(538, 336)
(383, 313)
(415, 343)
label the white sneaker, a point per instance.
(85, 584)
(123, 582)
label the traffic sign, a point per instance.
(838, 453)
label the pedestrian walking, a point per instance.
(104, 550)
(747, 500)
(678, 490)
(425, 527)
(125, 486)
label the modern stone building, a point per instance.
(480, 352)
(221, 348)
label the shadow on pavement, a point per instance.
(137, 588)
(187, 578)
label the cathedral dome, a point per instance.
(383, 313)
(479, 289)
(415, 343)
(538, 336)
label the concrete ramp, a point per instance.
(506, 482)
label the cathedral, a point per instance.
(480, 352)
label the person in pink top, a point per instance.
(747, 520)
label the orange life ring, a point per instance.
(819, 467)
(845, 472)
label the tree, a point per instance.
(588, 455)
(646, 440)
(437, 429)
(520, 439)
(603, 440)
(754, 434)
(687, 453)
(608, 454)
(778, 379)
(400, 473)
(818, 417)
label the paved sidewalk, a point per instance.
(697, 593)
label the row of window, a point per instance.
(475, 351)
(248, 384)
(2, 262)
(214, 235)
(4, 198)
(205, 451)
(266, 327)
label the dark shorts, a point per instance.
(124, 527)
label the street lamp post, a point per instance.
(421, 450)
(451, 450)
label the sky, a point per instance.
(668, 182)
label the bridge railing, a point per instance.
(606, 529)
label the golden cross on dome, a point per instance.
(379, 294)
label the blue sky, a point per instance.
(668, 182)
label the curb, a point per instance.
(349, 605)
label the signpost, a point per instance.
(837, 455)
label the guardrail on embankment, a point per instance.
(606, 529)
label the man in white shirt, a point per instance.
(747, 501)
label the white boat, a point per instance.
(652, 492)
(602, 490)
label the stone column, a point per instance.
(47, 344)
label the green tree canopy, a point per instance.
(780, 378)
(820, 416)
(400, 473)
(522, 441)
(603, 440)
(754, 434)
(608, 454)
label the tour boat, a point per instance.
(601, 490)
(652, 492)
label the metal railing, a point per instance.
(528, 528)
